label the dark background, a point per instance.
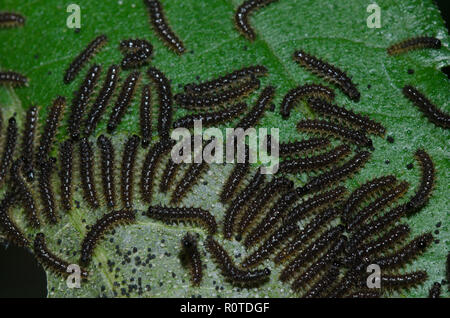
(22, 276)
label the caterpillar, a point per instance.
(290, 148)
(404, 280)
(316, 162)
(13, 78)
(423, 194)
(46, 191)
(138, 51)
(242, 14)
(277, 185)
(123, 101)
(11, 19)
(448, 270)
(161, 26)
(51, 126)
(230, 270)
(195, 102)
(129, 158)
(235, 178)
(435, 115)
(323, 284)
(184, 214)
(295, 214)
(168, 175)
(190, 251)
(148, 170)
(102, 100)
(320, 264)
(385, 199)
(226, 80)
(416, 43)
(81, 100)
(87, 173)
(66, 172)
(329, 72)
(435, 291)
(190, 177)
(98, 230)
(358, 121)
(337, 173)
(354, 136)
(25, 194)
(146, 116)
(29, 133)
(364, 191)
(257, 111)
(51, 261)
(300, 92)
(211, 118)
(75, 67)
(107, 158)
(239, 203)
(165, 101)
(9, 148)
(306, 234)
(343, 285)
(398, 258)
(10, 229)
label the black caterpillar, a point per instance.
(66, 173)
(137, 52)
(145, 116)
(46, 191)
(257, 111)
(87, 173)
(165, 101)
(14, 78)
(420, 42)
(28, 137)
(9, 148)
(107, 161)
(11, 19)
(128, 160)
(193, 258)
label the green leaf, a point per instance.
(333, 30)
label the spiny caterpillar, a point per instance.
(145, 115)
(9, 148)
(46, 191)
(83, 57)
(277, 185)
(322, 285)
(359, 121)
(239, 202)
(435, 115)
(407, 280)
(257, 111)
(165, 101)
(66, 173)
(416, 43)
(211, 118)
(235, 178)
(435, 291)
(123, 101)
(13, 78)
(184, 214)
(301, 92)
(192, 255)
(384, 200)
(25, 194)
(226, 80)
(242, 14)
(209, 100)
(315, 162)
(363, 192)
(10, 229)
(51, 126)
(81, 100)
(51, 261)
(291, 148)
(161, 26)
(98, 230)
(11, 19)
(150, 163)
(87, 172)
(190, 177)
(230, 270)
(28, 135)
(107, 161)
(137, 52)
(426, 184)
(355, 136)
(102, 100)
(168, 175)
(329, 73)
(128, 160)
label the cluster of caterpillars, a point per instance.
(341, 233)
